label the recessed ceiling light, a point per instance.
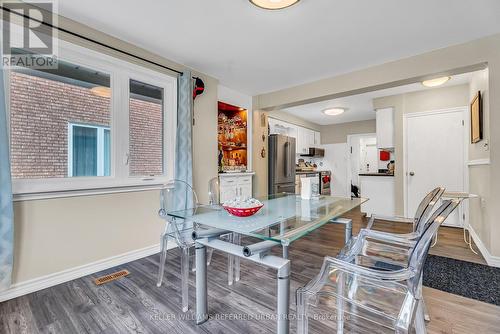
(274, 4)
(435, 82)
(101, 91)
(334, 111)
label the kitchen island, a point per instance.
(379, 188)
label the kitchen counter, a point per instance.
(376, 174)
(235, 174)
(307, 172)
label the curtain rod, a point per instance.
(93, 41)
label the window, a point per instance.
(88, 150)
(146, 129)
(42, 103)
(94, 122)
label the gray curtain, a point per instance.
(184, 142)
(6, 209)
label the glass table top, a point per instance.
(284, 217)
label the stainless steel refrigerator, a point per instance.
(281, 164)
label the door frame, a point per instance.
(464, 214)
(349, 153)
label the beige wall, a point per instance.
(480, 82)
(426, 100)
(59, 234)
(260, 166)
(337, 133)
(456, 59)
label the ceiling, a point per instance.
(255, 51)
(360, 107)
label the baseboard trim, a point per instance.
(43, 282)
(492, 261)
(478, 162)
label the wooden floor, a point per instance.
(135, 305)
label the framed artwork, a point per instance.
(476, 119)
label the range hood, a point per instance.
(314, 152)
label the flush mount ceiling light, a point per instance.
(435, 82)
(274, 4)
(101, 91)
(334, 111)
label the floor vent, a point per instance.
(111, 277)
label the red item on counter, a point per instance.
(385, 155)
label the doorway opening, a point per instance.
(362, 157)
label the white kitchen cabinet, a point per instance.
(235, 185)
(317, 138)
(304, 137)
(305, 140)
(380, 192)
(282, 128)
(385, 127)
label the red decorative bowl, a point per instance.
(243, 212)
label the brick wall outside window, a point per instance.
(41, 110)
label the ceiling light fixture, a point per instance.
(273, 4)
(435, 82)
(334, 111)
(101, 91)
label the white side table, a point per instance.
(462, 196)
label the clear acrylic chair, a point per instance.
(370, 236)
(233, 261)
(423, 211)
(377, 299)
(177, 195)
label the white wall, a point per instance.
(336, 161)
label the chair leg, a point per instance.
(185, 278)
(340, 304)
(237, 241)
(230, 263)
(302, 312)
(210, 252)
(427, 317)
(163, 258)
(420, 319)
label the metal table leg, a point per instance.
(283, 303)
(348, 227)
(285, 251)
(201, 284)
(259, 253)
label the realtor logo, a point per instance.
(28, 39)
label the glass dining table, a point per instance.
(283, 219)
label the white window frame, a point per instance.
(100, 146)
(120, 72)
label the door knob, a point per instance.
(412, 173)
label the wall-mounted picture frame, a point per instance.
(476, 119)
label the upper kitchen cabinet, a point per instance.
(385, 128)
(317, 138)
(305, 140)
(282, 128)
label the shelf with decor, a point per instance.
(232, 138)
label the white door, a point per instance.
(435, 156)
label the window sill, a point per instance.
(84, 192)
